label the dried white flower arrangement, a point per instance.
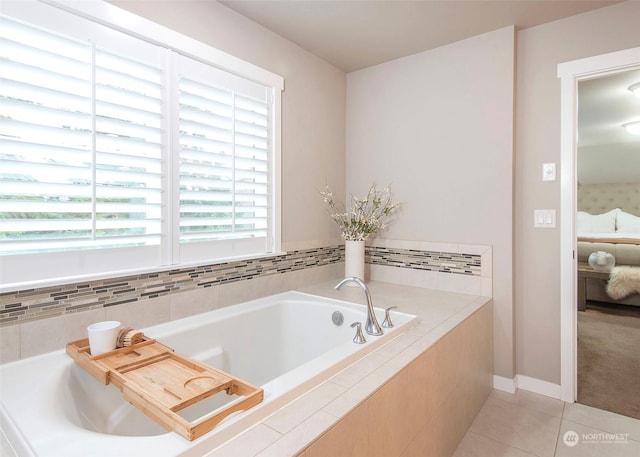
(368, 215)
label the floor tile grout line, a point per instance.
(555, 447)
(598, 427)
(525, 407)
(504, 444)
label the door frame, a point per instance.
(570, 73)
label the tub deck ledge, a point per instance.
(290, 430)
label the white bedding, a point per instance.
(610, 236)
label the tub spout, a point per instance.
(371, 326)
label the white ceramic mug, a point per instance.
(103, 336)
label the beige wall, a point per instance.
(438, 126)
(440, 206)
(540, 50)
(313, 107)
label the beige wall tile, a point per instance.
(9, 343)
(448, 362)
(385, 273)
(248, 443)
(355, 395)
(309, 276)
(420, 278)
(237, 292)
(348, 438)
(285, 420)
(294, 442)
(460, 283)
(424, 442)
(141, 313)
(487, 287)
(354, 373)
(392, 424)
(192, 302)
(273, 284)
(39, 337)
(422, 374)
(452, 423)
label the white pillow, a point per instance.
(596, 223)
(627, 223)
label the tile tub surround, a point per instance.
(464, 268)
(452, 327)
(415, 396)
(36, 321)
(33, 304)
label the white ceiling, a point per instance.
(355, 34)
(604, 104)
(607, 153)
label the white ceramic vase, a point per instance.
(354, 259)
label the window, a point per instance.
(117, 154)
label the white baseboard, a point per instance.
(527, 383)
(505, 384)
(539, 386)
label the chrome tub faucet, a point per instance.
(371, 326)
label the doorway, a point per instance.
(571, 73)
(608, 205)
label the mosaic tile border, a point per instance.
(443, 262)
(42, 303)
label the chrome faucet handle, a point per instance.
(359, 338)
(387, 317)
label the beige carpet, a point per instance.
(609, 358)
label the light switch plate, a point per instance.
(544, 218)
(548, 171)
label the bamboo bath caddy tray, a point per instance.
(159, 382)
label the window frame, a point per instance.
(123, 21)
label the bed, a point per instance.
(608, 219)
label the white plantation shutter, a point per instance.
(224, 158)
(120, 153)
(45, 139)
(80, 144)
(128, 150)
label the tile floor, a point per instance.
(526, 424)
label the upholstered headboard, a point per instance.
(600, 198)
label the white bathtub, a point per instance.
(285, 343)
